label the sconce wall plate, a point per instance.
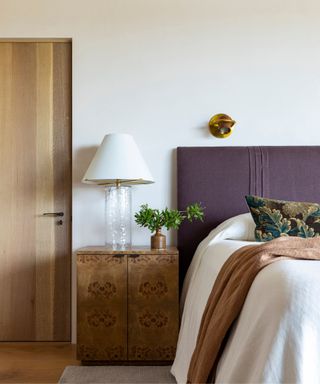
(221, 125)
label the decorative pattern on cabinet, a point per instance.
(128, 305)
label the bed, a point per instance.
(277, 335)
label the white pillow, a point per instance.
(240, 227)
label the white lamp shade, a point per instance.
(118, 160)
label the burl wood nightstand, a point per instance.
(128, 305)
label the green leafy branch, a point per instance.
(155, 219)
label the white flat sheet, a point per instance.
(277, 336)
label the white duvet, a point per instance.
(276, 338)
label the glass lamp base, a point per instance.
(118, 217)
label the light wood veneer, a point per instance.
(35, 362)
(35, 168)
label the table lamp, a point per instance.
(117, 165)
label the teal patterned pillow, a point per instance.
(275, 218)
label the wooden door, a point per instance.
(35, 171)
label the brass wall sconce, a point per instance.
(221, 125)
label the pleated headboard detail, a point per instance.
(220, 177)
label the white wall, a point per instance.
(159, 69)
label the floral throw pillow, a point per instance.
(275, 218)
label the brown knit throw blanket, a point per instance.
(229, 293)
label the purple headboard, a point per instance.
(220, 177)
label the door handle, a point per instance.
(53, 214)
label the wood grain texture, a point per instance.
(35, 362)
(34, 254)
(62, 158)
(127, 304)
(153, 297)
(45, 229)
(102, 307)
(101, 250)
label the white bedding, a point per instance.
(276, 338)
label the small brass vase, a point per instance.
(158, 240)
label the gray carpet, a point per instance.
(117, 375)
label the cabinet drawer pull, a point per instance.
(118, 255)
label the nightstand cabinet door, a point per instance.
(153, 313)
(102, 307)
